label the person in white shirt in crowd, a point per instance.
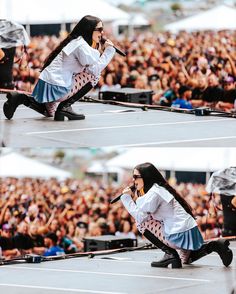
(110, 83)
(71, 70)
(125, 230)
(166, 220)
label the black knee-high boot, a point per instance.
(171, 255)
(64, 109)
(15, 99)
(221, 247)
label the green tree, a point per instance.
(59, 156)
(176, 7)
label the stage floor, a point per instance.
(128, 272)
(109, 125)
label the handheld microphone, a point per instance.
(103, 40)
(132, 188)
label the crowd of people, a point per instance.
(51, 217)
(185, 70)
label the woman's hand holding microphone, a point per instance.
(132, 191)
(104, 43)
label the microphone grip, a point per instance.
(103, 40)
(114, 200)
(119, 51)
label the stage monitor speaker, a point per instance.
(106, 242)
(127, 95)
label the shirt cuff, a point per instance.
(125, 197)
(110, 50)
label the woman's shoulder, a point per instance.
(156, 188)
(74, 44)
(162, 192)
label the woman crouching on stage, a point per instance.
(166, 220)
(69, 72)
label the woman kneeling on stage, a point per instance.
(166, 220)
(69, 72)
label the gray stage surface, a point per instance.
(128, 272)
(109, 125)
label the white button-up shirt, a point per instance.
(162, 206)
(73, 59)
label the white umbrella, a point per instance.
(223, 182)
(12, 34)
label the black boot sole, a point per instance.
(225, 253)
(175, 263)
(60, 116)
(7, 110)
(10, 106)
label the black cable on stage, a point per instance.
(201, 111)
(33, 258)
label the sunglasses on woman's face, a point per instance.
(135, 177)
(98, 29)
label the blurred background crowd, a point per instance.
(199, 67)
(52, 217)
(195, 67)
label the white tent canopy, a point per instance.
(19, 166)
(218, 18)
(57, 11)
(101, 168)
(137, 19)
(120, 2)
(177, 159)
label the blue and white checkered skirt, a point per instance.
(44, 92)
(189, 240)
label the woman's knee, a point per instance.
(51, 108)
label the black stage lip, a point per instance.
(130, 272)
(114, 123)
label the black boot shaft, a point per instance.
(64, 108)
(158, 243)
(221, 247)
(171, 256)
(83, 91)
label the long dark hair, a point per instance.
(84, 28)
(151, 175)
